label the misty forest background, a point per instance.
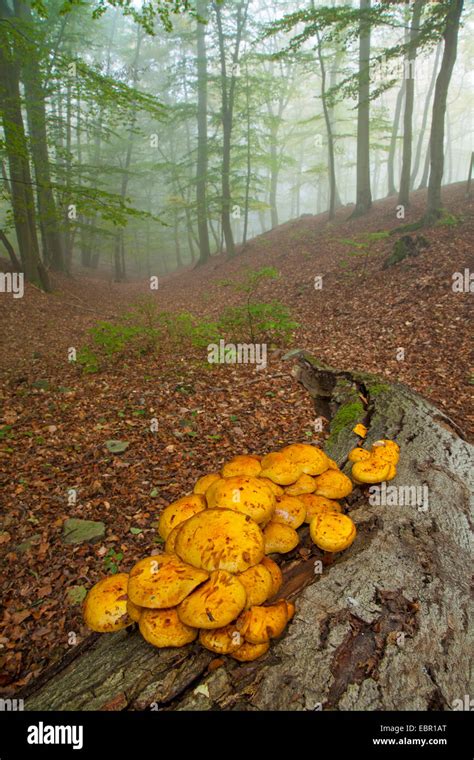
(137, 141)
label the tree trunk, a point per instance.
(11, 252)
(382, 627)
(274, 170)
(404, 192)
(327, 119)
(16, 147)
(202, 157)
(249, 157)
(393, 140)
(36, 113)
(363, 193)
(228, 85)
(424, 120)
(119, 256)
(450, 35)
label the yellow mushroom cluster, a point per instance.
(214, 581)
(377, 464)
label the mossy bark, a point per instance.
(383, 626)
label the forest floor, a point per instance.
(55, 419)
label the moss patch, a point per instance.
(347, 415)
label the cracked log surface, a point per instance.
(384, 626)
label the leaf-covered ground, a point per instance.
(55, 420)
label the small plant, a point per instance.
(258, 322)
(112, 561)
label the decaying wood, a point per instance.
(383, 626)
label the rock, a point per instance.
(77, 531)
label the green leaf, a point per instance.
(154, 493)
(136, 531)
(117, 447)
(76, 594)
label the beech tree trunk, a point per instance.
(363, 192)
(450, 35)
(202, 147)
(382, 627)
(404, 192)
(35, 101)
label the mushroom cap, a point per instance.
(105, 606)
(163, 628)
(279, 468)
(203, 483)
(289, 511)
(260, 624)
(279, 538)
(304, 484)
(244, 464)
(221, 640)
(358, 454)
(332, 532)
(171, 540)
(162, 581)
(386, 442)
(214, 604)
(247, 495)
(373, 470)
(360, 430)
(134, 611)
(318, 505)
(333, 465)
(276, 574)
(386, 453)
(220, 539)
(179, 511)
(249, 652)
(311, 460)
(274, 487)
(258, 584)
(333, 484)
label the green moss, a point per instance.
(347, 415)
(376, 388)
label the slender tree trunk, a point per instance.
(469, 177)
(11, 252)
(228, 85)
(36, 114)
(327, 119)
(416, 164)
(202, 154)
(363, 193)
(393, 140)
(16, 147)
(274, 171)
(404, 192)
(119, 256)
(450, 36)
(249, 157)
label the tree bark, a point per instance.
(424, 120)
(382, 627)
(450, 35)
(327, 119)
(16, 146)
(404, 192)
(49, 217)
(228, 85)
(202, 156)
(363, 192)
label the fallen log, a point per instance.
(381, 626)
